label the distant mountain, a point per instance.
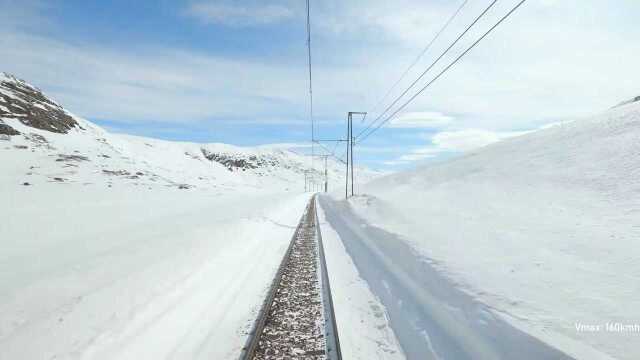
(54, 145)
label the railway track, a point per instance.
(297, 318)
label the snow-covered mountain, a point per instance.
(41, 141)
(543, 228)
(123, 247)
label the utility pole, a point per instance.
(326, 177)
(350, 144)
(346, 177)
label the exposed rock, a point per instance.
(6, 129)
(117, 172)
(23, 147)
(195, 157)
(632, 100)
(26, 103)
(236, 161)
(38, 140)
(65, 157)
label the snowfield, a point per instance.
(122, 247)
(127, 274)
(542, 228)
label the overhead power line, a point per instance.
(331, 153)
(310, 78)
(443, 71)
(424, 51)
(310, 84)
(482, 14)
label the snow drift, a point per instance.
(543, 228)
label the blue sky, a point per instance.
(235, 71)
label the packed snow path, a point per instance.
(432, 318)
(293, 323)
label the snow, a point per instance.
(119, 246)
(542, 228)
(429, 315)
(126, 247)
(363, 324)
(128, 274)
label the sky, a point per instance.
(236, 71)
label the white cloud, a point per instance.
(238, 15)
(417, 154)
(155, 84)
(469, 139)
(504, 83)
(454, 141)
(421, 119)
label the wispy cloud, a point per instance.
(238, 15)
(180, 76)
(157, 84)
(453, 141)
(421, 119)
(469, 139)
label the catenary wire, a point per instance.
(442, 72)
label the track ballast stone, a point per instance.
(294, 328)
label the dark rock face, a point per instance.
(26, 103)
(116, 172)
(6, 129)
(65, 157)
(632, 100)
(228, 161)
(239, 162)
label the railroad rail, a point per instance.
(297, 318)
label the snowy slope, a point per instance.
(122, 247)
(543, 228)
(41, 141)
(122, 274)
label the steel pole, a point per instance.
(346, 178)
(351, 145)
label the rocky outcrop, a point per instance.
(632, 100)
(238, 161)
(26, 103)
(7, 130)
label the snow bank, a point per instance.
(543, 228)
(363, 323)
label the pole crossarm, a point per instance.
(350, 143)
